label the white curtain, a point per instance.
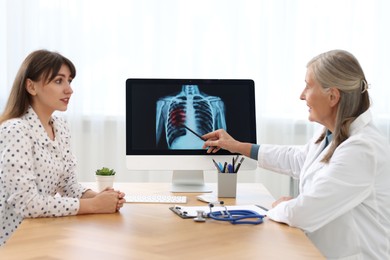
(269, 41)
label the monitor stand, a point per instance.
(189, 181)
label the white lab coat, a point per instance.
(343, 206)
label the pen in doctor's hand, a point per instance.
(192, 131)
(195, 133)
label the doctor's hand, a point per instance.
(286, 198)
(219, 139)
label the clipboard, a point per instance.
(178, 210)
(192, 211)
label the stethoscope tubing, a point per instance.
(237, 216)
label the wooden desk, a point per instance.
(152, 231)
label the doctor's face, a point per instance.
(318, 100)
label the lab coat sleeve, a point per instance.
(287, 160)
(335, 189)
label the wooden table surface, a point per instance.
(152, 231)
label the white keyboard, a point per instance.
(133, 198)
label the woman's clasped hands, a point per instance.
(110, 199)
(106, 201)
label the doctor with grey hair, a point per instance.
(344, 170)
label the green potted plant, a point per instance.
(105, 178)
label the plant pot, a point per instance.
(104, 181)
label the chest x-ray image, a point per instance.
(190, 108)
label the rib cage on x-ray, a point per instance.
(198, 111)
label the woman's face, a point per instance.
(321, 107)
(55, 95)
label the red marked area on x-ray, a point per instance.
(177, 117)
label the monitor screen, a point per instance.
(165, 119)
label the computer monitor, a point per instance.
(165, 119)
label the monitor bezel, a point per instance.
(130, 82)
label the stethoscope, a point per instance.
(232, 216)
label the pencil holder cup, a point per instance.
(227, 185)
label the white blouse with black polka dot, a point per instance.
(33, 169)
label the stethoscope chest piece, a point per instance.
(200, 216)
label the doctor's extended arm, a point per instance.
(220, 139)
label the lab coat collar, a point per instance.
(314, 164)
(361, 121)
